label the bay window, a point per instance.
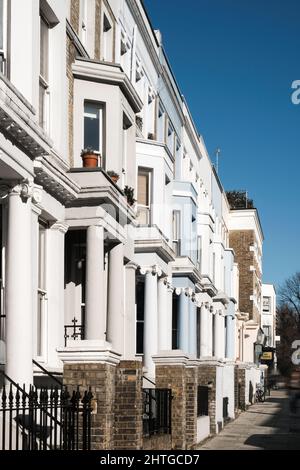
(93, 127)
(177, 232)
(144, 196)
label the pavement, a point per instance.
(264, 426)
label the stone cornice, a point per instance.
(89, 351)
(158, 246)
(103, 72)
(183, 266)
(50, 172)
(176, 357)
(208, 286)
(18, 123)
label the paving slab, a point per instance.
(264, 426)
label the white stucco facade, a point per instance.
(79, 262)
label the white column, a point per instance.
(183, 322)
(130, 311)
(219, 334)
(116, 307)
(55, 290)
(95, 316)
(18, 298)
(192, 328)
(150, 319)
(204, 331)
(222, 335)
(209, 332)
(164, 315)
(230, 327)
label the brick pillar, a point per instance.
(207, 375)
(242, 387)
(93, 364)
(128, 424)
(170, 372)
(236, 390)
(191, 406)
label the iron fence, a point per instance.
(74, 331)
(44, 419)
(156, 411)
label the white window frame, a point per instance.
(101, 107)
(141, 208)
(176, 226)
(107, 53)
(83, 20)
(3, 51)
(44, 83)
(199, 252)
(42, 297)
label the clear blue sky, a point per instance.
(234, 61)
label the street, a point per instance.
(265, 426)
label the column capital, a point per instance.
(60, 226)
(167, 281)
(4, 189)
(155, 269)
(132, 265)
(26, 189)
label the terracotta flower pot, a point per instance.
(89, 160)
(115, 178)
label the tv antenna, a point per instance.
(217, 154)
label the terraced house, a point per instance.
(123, 266)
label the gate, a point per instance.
(44, 419)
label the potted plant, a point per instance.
(129, 193)
(113, 175)
(90, 157)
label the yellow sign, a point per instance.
(267, 356)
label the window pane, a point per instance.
(92, 126)
(44, 50)
(143, 189)
(42, 255)
(1, 24)
(41, 105)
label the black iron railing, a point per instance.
(44, 419)
(156, 411)
(74, 331)
(202, 401)
(49, 374)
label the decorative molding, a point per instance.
(87, 351)
(4, 190)
(95, 71)
(61, 226)
(155, 269)
(132, 265)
